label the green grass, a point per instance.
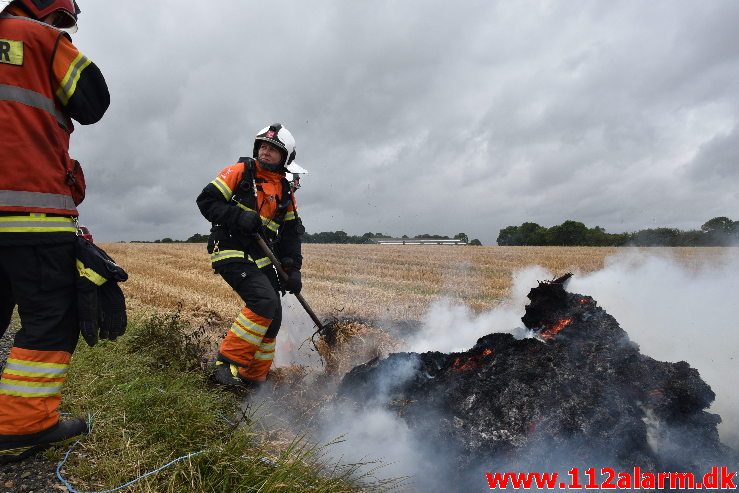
(151, 403)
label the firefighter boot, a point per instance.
(18, 447)
(227, 374)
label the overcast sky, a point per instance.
(419, 116)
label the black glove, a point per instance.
(101, 305)
(292, 284)
(112, 311)
(248, 222)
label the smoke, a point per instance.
(679, 312)
(449, 326)
(674, 309)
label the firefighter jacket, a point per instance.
(44, 83)
(248, 186)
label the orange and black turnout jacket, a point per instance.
(44, 83)
(233, 190)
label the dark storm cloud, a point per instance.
(418, 117)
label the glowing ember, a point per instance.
(555, 329)
(583, 301)
(471, 363)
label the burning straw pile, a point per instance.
(577, 391)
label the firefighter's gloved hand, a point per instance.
(248, 222)
(293, 283)
(112, 311)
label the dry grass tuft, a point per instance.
(346, 343)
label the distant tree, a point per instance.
(508, 236)
(404, 236)
(462, 236)
(723, 224)
(657, 237)
(532, 234)
(475, 242)
(568, 233)
(197, 238)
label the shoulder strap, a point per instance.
(244, 192)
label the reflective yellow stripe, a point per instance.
(266, 222)
(90, 274)
(29, 389)
(268, 346)
(245, 335)
(261, 262)
(223, 188)
(260, 329)
(39, 364)
(270, 224)
(224, 254)
(69, 83)
(39, 370)
(36, 223)
(290, 216)
(33, 374)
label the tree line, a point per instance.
(340, 237)
(719, 231)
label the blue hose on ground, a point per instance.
(72, 490)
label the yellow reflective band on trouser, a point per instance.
(36, 223)
(223, 188)
(224, 254)
(20, 388)
(266, 351)
(90, 274)
(35, 369)
(247, 330)
(69, 83)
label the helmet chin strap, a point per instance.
(272, 167)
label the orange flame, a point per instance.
(555, 329)
(471, 363)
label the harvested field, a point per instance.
(367, 281)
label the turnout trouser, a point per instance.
(250, 342)
(40, 280)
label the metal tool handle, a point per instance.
(268, 252)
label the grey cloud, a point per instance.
(419, 116)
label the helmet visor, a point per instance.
(61, 19)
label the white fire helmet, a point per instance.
(294, 170)
(281, 138)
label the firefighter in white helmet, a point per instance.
(253, 197)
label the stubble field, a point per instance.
(367, 281)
